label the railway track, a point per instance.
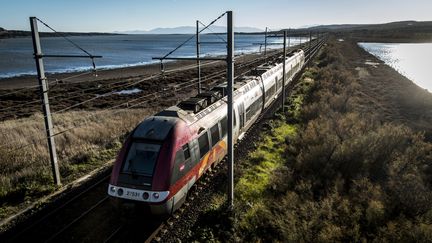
(204, 182)
(88, 217)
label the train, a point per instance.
(168, 152)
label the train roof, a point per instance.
(195, 108)
(154, 128)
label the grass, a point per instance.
(262, 162)
(268, 158)
(25, 172)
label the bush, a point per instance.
(348, 175)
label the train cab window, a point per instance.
(224, 124)
(186, 151)
(203, 144)
(215, 134)
(141, 158)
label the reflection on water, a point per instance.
(411, 60)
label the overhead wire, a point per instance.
(95, 91)
(127, 104)
(209, 29)
(70, 41)
(155, 94)
(90, 93)
(193, 36)
(91, 56)
(20, 90)
(66, 38)
(122, 86)
(57, 81)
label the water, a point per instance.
(411, 60)
(128, 91)
(16, 55)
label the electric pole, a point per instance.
(265, 42)
(43, 86)
(230, 76)
(283, 70)
(198, 56)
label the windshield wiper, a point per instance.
(131, 168)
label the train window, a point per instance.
(271, 90)
(215, 134)
(253, 109)
(240, 108)
(203, 144)
(224, 124)
(186, 151)
(141, 158)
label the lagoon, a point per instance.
(413, 60)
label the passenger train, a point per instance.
(167, 153)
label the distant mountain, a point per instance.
(189, 30)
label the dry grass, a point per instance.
(25, 171)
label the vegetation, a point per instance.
(332, 171)
(4, 34)
(25, 171)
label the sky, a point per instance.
(125, 15)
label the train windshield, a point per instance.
(141, 158)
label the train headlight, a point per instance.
(113, 189)
(120, 192)
(145, 195)
(155, 195)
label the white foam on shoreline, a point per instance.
(128, 91)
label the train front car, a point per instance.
(142, 172)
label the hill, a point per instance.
(4, 33)
(386, 26)
(189, 30)
(402, 31)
